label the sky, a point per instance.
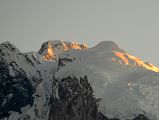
(132, 24)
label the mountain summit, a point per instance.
(69, 81)
(52, 49)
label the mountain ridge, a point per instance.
(60, 63)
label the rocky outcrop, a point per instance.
(141, 117)
(63, 61)
(15, 92)
(76, 101)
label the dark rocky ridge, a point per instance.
(15, 92)
(76, 101)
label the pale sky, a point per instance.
(132, 24)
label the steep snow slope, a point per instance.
(126, 90)
(41, 105)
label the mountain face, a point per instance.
(18, 78)
(69, 81)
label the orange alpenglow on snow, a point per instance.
(50, 53)
(75, 45)
(133, 61)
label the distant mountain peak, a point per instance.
(108, 45)
(51, 49)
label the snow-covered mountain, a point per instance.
(69, 81)
(125, 89)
